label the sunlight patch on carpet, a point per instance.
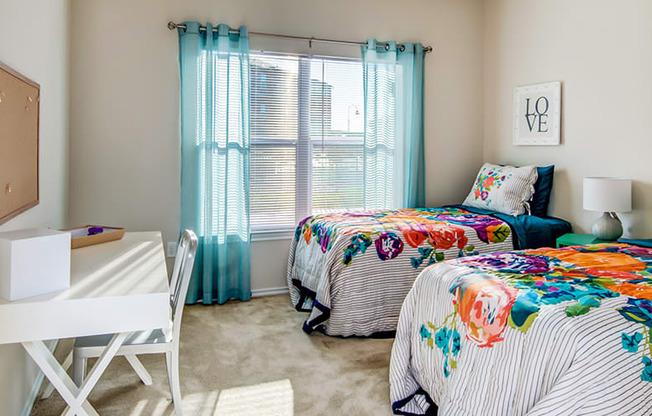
(140, 407)
(267, 399)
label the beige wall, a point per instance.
(124, 159)
(601, 50)
(34, 41)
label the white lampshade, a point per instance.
(608, 194)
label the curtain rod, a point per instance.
(172, 26)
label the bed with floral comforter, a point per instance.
(536, 332)
(351, 271)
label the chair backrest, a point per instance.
(180, 279)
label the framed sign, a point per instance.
(537, 114)
(19, 117)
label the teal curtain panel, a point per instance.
(215, 151)
(394, 163)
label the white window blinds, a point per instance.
(307, 127)
(274, 137)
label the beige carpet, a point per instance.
(249, 358)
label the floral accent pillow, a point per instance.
(505, 189)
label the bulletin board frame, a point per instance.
(19, 143)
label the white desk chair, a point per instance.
(150, 342)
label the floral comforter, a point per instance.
(537, 332)
(351, 271)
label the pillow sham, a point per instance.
(505, 189)
(542, 190)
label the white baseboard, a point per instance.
(36, 387)
(269, 291)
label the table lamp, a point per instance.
(608, 195)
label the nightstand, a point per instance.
(578, 240)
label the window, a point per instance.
(307, 126)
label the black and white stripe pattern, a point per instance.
(513, 194)
(365, 297)
(560, 366)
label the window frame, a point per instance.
(304, 146)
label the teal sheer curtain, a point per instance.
(215, 150)
(394, 163)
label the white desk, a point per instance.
(115, 288)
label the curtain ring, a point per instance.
(310, 42)
(402, 48)
(387, 46)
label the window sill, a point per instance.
(270, 235)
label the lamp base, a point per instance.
(607, 227)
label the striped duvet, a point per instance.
(351, 271)
(538, 332)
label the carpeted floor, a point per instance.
(246, 358)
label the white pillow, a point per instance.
(505, 189)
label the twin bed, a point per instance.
(483, 329)
(537, 332)
(352, 271)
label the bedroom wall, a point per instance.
(601, 50)
(34, 42)
(124, 158)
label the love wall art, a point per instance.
(537, 114)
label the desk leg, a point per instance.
(73, 395)
(57, 376)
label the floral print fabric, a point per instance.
(509, 290)
(505, 189)
(352, 270)
(431, 230)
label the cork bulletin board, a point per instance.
(19, 118)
